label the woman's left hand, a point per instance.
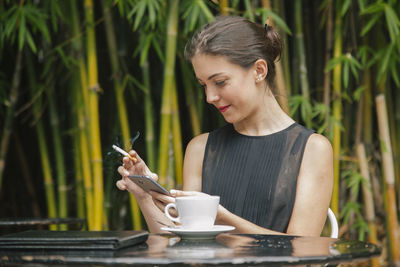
(162, 200)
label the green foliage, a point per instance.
(279, 22)
(20, 22)
(348, 63)
(195, 14)
(145, 10)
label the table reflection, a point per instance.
(225, 249)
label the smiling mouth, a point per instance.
(224, 108)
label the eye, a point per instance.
(220, 83)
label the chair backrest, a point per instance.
(334, 224)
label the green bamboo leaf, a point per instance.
(331, 64)
(206, 11)
(193, 19)
(279, 22)
(294, 103)
(21, 32)
(346, 74)
(11, 22)
(38, 20)
(395, 75)
(152, 14)
(364, 53)
(370, 24)
(158, 49)
(374, 8)
(345, 7)
(354, 65)
(30, 41)
(376, 57)
(145, 48)
(361, 5)
(248, 11)
(139, 9)
(392, 21)
(357, 93)
(195, 13)
(382, 69)
(64, 58)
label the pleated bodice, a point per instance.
(255, 176)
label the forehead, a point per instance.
(205, 65)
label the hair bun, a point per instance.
(273, 41)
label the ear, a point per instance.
(260, 70)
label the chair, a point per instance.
(334, 224)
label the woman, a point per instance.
(272, 174)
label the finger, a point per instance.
(161, 197)
(159, 205)
(172, 211)
(135, 155)
(122, 171)
(121, 185)
(180, 193)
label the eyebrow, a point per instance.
(212, 76)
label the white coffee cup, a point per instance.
(195, 212)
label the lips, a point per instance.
(224, 108)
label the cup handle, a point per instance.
(166, 211)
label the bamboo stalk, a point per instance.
(394, 141)
(81, 98)
(94, 89)
(9, 117)
(279, 5)
(337, 111)
(328, 51)
(149, 117)
(177, 138)
(190, 98)
(169, 70)
(223, 7)
(389, 179)
(59, 159)
(305, 89)
(121, 106)
(281, 93)
(44, 156)
(368, 198)
(79, 189)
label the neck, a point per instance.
(267, 119)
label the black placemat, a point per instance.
(45, 239)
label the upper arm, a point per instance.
(193, 163)
(314, 188)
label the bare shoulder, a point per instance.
(318, 158)
(318, 144)
(197, 144)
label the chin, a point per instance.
(230, 120)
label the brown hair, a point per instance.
(240, 40)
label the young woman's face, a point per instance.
(229, 87)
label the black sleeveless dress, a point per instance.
(255, 176)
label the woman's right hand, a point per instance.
(130, 167)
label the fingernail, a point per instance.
(173, 192)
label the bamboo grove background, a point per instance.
(79, 76)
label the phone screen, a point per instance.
(148, 184)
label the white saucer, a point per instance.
(199, 233)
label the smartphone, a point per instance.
(148, 184)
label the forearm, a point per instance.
(153, 216)
(241, 225)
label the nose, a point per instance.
(212, 96)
